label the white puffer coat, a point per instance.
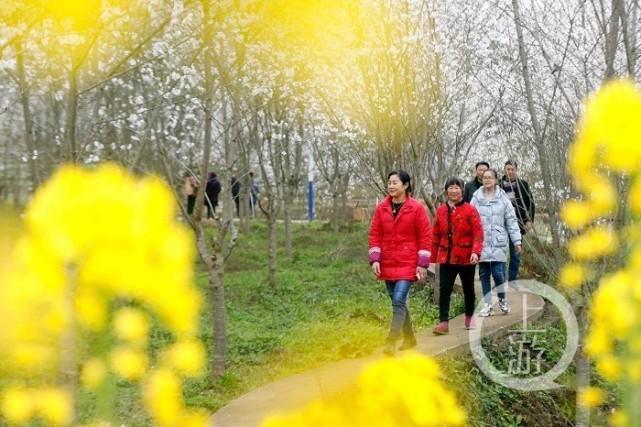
(499, 224)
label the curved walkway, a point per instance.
(297, 390)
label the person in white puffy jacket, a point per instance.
(499, 226)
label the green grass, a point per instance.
(327, 306)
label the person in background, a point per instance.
(253, 195)
(190, 189)
(477, 182)
(457, 241)
(399, 252)
(212, 190)
(499, 226)
(518, 191)
(235, 194)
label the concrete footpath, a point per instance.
(335, 378)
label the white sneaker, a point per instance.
(504, 306)
(487, 310)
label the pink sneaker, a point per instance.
(469, 322)
(442, 328)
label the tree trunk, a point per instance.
(215, 261)
(72, 114)
(612, 39)
(26, 113)
(335, 213)
(271, 227)
(288, 225)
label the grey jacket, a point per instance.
(499, 224)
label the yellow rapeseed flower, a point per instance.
(576, 214)
(572, 276)
(93, 373)
(408, 385)
(618, 419)
(55, 406)
(594, 243)
(602, 196)
(91, 240)
(598, 342)
(582, 157)
(633, 370)
(163, 397)
(635, 196)
(609, 368)
(591, 397)
(615, 291)
(187, 357)
(195, 419)
(91, 309)
(131, 325)
(611, 120)
(130, 364)
(17, 405)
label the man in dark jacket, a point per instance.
(477, 182)
(235, 194)
(518, 191)
(212, 190)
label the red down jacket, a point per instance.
(400, 244)
(455, 245)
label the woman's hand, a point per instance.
(376, 267)
(517, 249)
(474, 259)
(421, 273)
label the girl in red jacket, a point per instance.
(457, 242)
(399, 243)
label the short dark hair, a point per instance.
(454, 180)
(482, 162)
(404, 177)
(512, 163)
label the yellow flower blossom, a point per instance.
(607, 150)
(195, 419)
(128, 363)
(633, 370)
(131, 325)
(17, 405)
(635, 196)
(90, 309)
(594, 243)
(187, 357)
(602, 196)
(576, 214)
(614, 291)
(163, 397)
(598, 342)
(409, 385)
(611, 120)
(609, 368)
(93, 373)
(591, 397)
(582, 157)
(90, 240)
(55, 406)
(618, 419)
(572, 276)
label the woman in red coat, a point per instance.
(399, 243)
(457, 241)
